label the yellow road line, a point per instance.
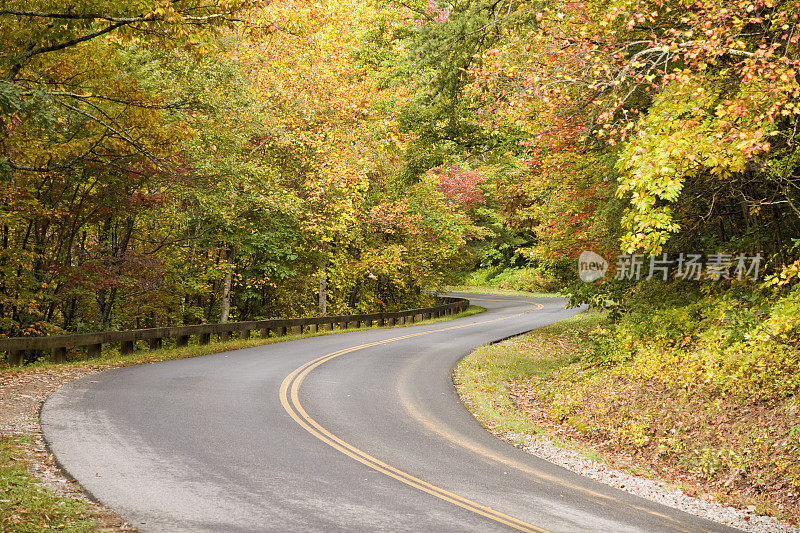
(289, 396)
(506, 300)
(537, 475)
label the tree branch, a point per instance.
(115, 24)
(113, 20)
(52, 48)
(177, 105)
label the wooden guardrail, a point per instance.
(15, 347)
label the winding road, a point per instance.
(357, 431)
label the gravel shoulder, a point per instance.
(657, 491)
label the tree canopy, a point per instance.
(176, 162)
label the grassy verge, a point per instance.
(482, 376)
(541, 280)
(740, 450)
(112, 357)
(27, 506)
(481, 289)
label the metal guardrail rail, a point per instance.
(15, 347)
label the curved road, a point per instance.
(356, 431)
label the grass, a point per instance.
(27, 506)
(502, 292)
(481, 377)
(539, 279)
(740, 451)
(112, 357)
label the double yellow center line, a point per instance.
(289, 396)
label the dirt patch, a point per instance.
(21, 398)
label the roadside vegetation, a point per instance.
(26, 506)
(705, 406)
(523, 279)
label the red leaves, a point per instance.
(458, 185)
(434, 12)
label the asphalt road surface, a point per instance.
(359, 431)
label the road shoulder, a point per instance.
(502, 386)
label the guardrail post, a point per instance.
(93, 350)
(59, 355)
(16, 357)
(88, 343)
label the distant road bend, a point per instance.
(358, 431)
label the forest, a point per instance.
(178, 162)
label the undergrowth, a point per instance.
(700, 386)
(530, 279)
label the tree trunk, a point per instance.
(323, 289)
(115, 256)
(226, 292)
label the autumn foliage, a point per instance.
(177, 162)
